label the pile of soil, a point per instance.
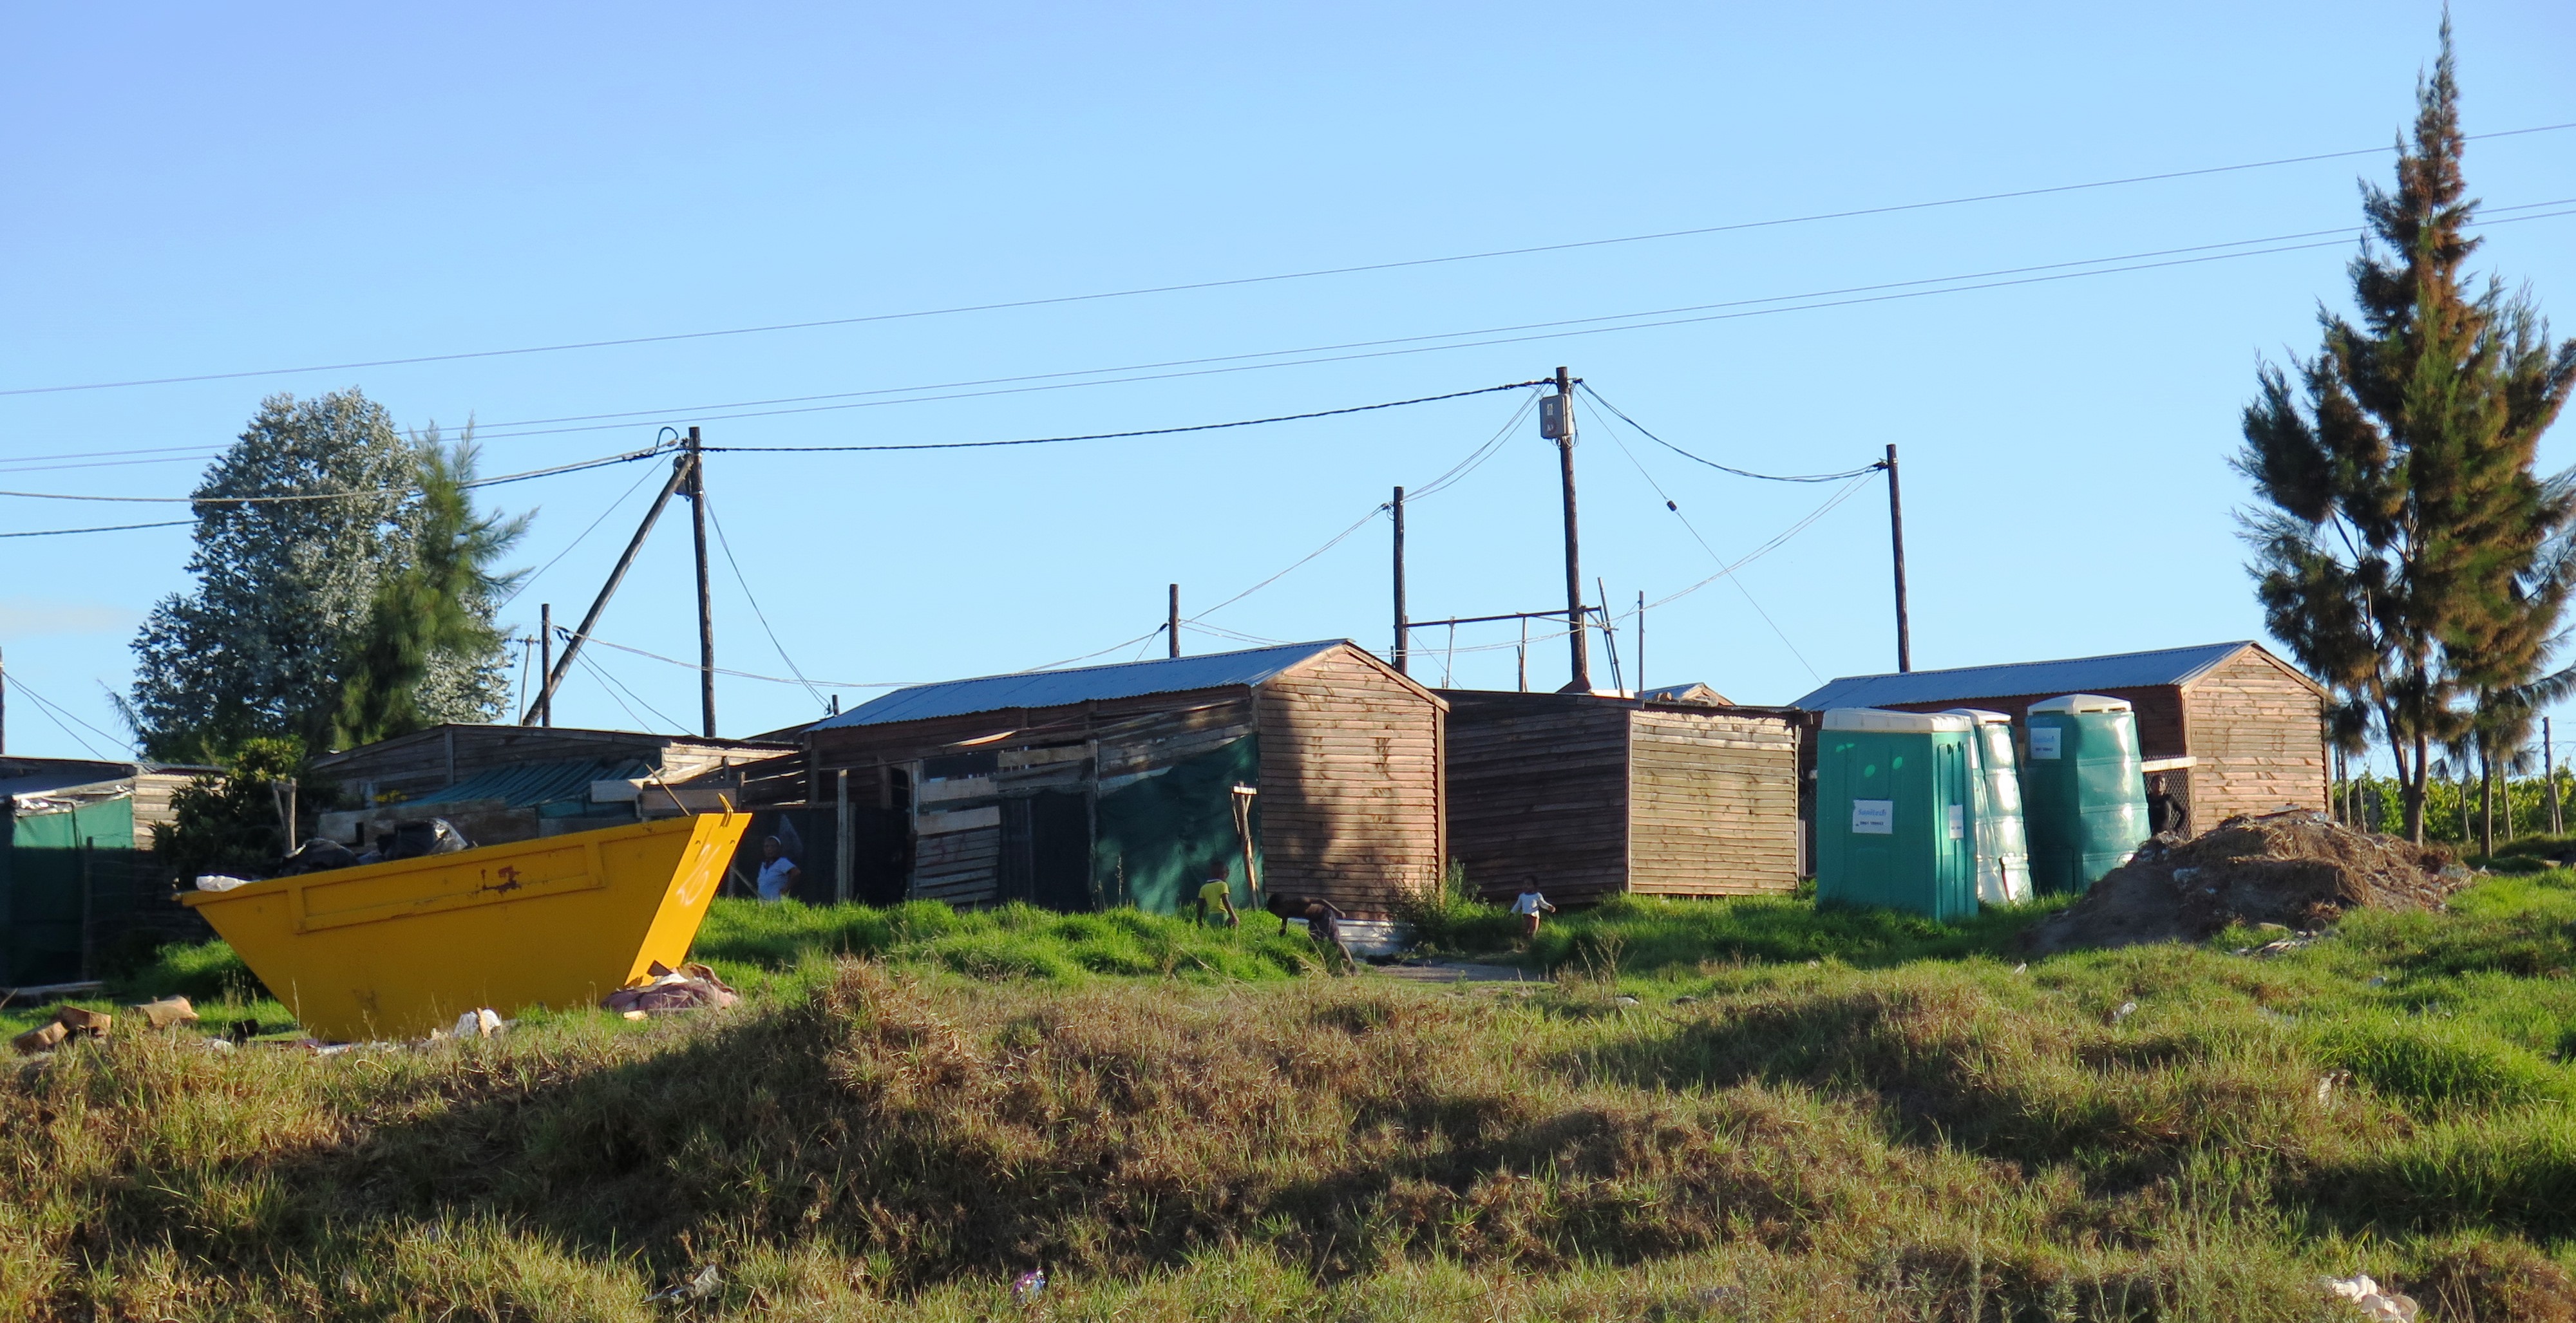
(2296, 869)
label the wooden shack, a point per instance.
(1589, 796)
(2228, 728)
(1130, 784)
(515, 783)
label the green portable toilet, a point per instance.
(1893, 799)
(2003, 849)
(2084, 789)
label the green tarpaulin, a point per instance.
(1158, 838)
(42, 876)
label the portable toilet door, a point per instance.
(2084, 789)
(2003, 847)
(1893, 802)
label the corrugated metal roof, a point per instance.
(524, 784)
(43, 783)
(996, 693)
(2127, 670)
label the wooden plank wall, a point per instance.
(1350, 784)
(2162, 728)
(961, 867)
(1712, 803)
(1132, 746)
(152, 792)
(2257, 730)
(1538, 789)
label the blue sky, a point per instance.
(194, 191)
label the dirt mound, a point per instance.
(2295, 869)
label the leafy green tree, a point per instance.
(233, 822)
(438, 606)
(2411, 558)
(299, 526)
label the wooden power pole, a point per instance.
(2549, 768)
(1896, 540)
(706, 603)
(616, 575)
(1402, 654)
(545, 707)
(1172, 620)
(1556, 423)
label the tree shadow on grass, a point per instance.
(1091, 1134)
(1943, 1062)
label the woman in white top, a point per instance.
(778, 873)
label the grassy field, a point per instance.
(1735, 1111)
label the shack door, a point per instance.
(1046, 850)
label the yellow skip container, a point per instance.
(396, 949)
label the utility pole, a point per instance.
(1556, 423)
(1402, 654)
(1641, 644)
(616, 575)
(1172, 620)
(843, 857)
(4, 706)
(545, 661)
(1896, 539)
(706, 602)
(2549, 768)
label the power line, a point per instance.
(387, 493)
(726, 544)
(103, 528)
(1815, 300)
(1314, 355)
(1476, 458)
(595, 641)
(1457, 473)
(1741, 473)
(872, 398)
(1693, 529)
(1111, 436)
(1568, 246)
(1335, 541)
(1155, 632)
(107, 454)
(16, 466)
(1774, 544)
(613, 684)
(657, 449)
(613, 507)
(56, 713)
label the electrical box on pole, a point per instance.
(1553, 419)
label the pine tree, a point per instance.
(263, 646)
(437, 607)
(2411, 558)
